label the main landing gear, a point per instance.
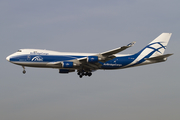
(81, 74)
(24, 71)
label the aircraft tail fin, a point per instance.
(156, 47)
(153, 52)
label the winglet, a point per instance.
(131, 44)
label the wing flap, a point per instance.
(90, 66)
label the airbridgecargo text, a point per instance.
(38, 53)
(107, 64)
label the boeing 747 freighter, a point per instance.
(86, 63)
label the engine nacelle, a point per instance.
(65, 71)
(67, 64)
(92, 59)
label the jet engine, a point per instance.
(65, 70)
(92, 59)
(67, 64)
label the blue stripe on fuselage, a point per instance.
(115, 63)
(42, 58)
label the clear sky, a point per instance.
(149, 92)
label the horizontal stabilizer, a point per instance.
(159, 58)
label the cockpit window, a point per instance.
(19, 50)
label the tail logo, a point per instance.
(147, 52)
(156, 47)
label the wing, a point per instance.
(117, 50)
(92, 62)
(108, 55)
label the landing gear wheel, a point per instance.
(80, 76)
(24, 71)
(89, 74)
(84, 73)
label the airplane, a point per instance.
(86, 63)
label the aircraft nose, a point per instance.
(8, 58)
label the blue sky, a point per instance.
(147, 92)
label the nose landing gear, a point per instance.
(24, 71)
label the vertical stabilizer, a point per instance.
(160, 43)
(153, 52)
(157, 46)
